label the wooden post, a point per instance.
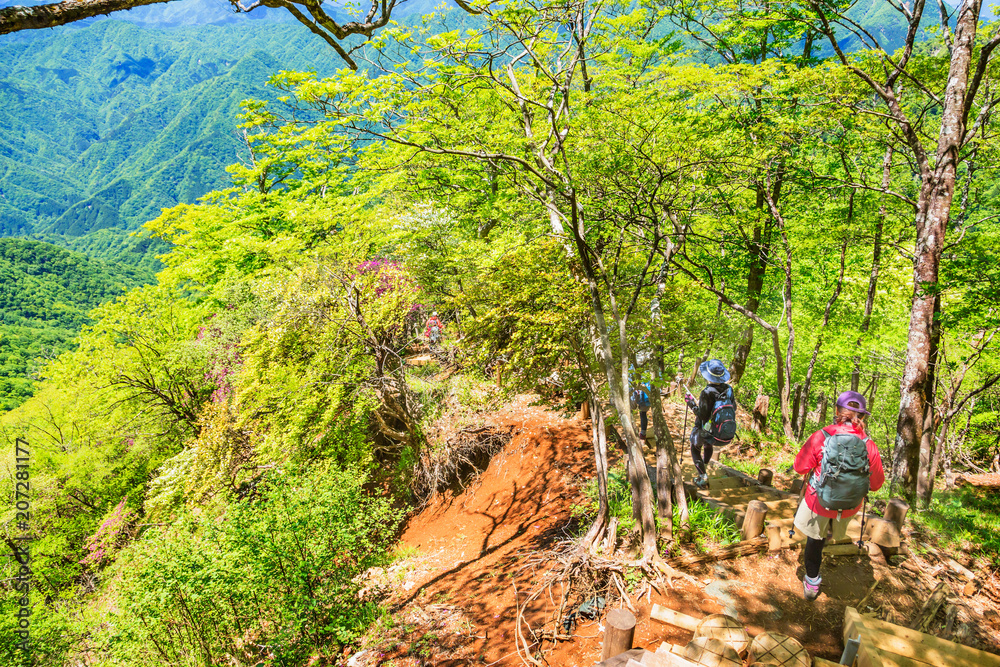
(896, 511)
(753, 522)
(584, 411)
(773, 537)
(765, 476)
(796, 485)
(881, 532)
(619, 628)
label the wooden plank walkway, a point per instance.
(893, 645)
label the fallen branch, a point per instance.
(746, 548)
(861, 605)
(930, 609)
(519, 640)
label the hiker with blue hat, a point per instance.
(841, 465)
(639, 395)
(715, 417)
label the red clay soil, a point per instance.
(458, 605)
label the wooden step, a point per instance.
(784, 524)
(785, 506)
(718, 483)
(745, 494)
(735, 514)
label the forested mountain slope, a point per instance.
(45, 295)
(111, 123)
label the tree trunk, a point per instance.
(924, 483)
(599, 436)
(924, 493)
(760, 410)
(669, 476)
(664, 450)
(784, 374)
(801, 412)
(797, 405)
(615, 367)
(933, 209)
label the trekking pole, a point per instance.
(684, 432)
(686, 408)
(864, 517)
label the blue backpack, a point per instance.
(722, 426)
(640, 397)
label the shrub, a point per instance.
(271, 582)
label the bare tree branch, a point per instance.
(13, 19)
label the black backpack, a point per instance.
(723, 424)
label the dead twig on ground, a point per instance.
(520, 643)
(861, 605)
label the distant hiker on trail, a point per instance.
(715, 417)
(434, 329)
(842, 464)
(640, 399)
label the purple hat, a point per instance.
(852, 400)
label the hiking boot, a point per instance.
(810, 591)
(642, 437)
(701, 481)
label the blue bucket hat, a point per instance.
(714, 371)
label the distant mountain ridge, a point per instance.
(107, 125)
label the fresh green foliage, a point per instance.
(275, 579)
(45, 295)
(967, 519)
(708, 528)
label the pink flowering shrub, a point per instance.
(224, 359)
(102, 546)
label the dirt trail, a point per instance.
(470, 543)
(457, 604)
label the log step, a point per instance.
(745, 494)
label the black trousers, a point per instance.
(813, 556)
(702, 448)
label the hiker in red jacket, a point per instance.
(434, 329)
(841, 464)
